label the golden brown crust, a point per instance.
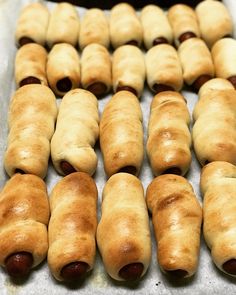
(33, 23)
(63, 63)
(24, 215)
(123, 234)
(31, 120)
(177, 218)
(31, 61)
(218, 188)
(214, 135)
(121, 133)
(196, 60)
(163, 67)
(128, 68)
(169, 138)
(76, 132)
(96, 66)
(94, 29)
(214, 21)
(124, 25)
(63, 25)
(183, 19)
(73, 222)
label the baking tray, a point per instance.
(207, 280)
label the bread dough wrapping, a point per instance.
(24, 215)
(73, 223)
(163, 67)
(155, 25)
(223, 55)
(214, 21)
(121, 134)
(214, 134)
(196, 60)
(169, 138)
(30, 62)
(96, 69)
(177, 218)
(183, 19)
(218, 186)
(123, 233)
(63, 25)
(31, 120)
(63, 68)
(32, 24)
(128, 69)
(125, 26)
(94, 28)
(76, 132)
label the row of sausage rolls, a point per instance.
(211, 20)
(163, 66)
(70, 242)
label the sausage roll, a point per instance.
(94, 28)
(125, 27)
(76, 133)
(177, 219)
(123, 233)
(128, 69)
(24, 215)
(121, 134)
(156, 27)
(30, 65)
(164, 70)
(184, 22)
(218, 186)
(196, 62)
(32, 25)
(214, 134)
(214, 20)
(63, 25)
(96, 69)
(224, 58)
(72, 227)
(31, 120)
(169, 138)
(63, 68)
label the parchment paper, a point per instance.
(208, 280)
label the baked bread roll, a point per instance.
(156, 27)
(123, 234)
(32, 24)
(215, 84)
(125, 27)
(76, 133)
(63, 68)
(223, 55)
(63, 25)
(214, 134)
(184, 23)
(196, 62)
(164, 70)
(72, 227)
(128, 69)
(96, 69)
(30, 65)
(218, 186)
(214, 21)
(24, 215)
(94, 28)
(177, 218)
(169, 138)
(121, 134)
(31, 120)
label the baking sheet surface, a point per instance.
(208, 280)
